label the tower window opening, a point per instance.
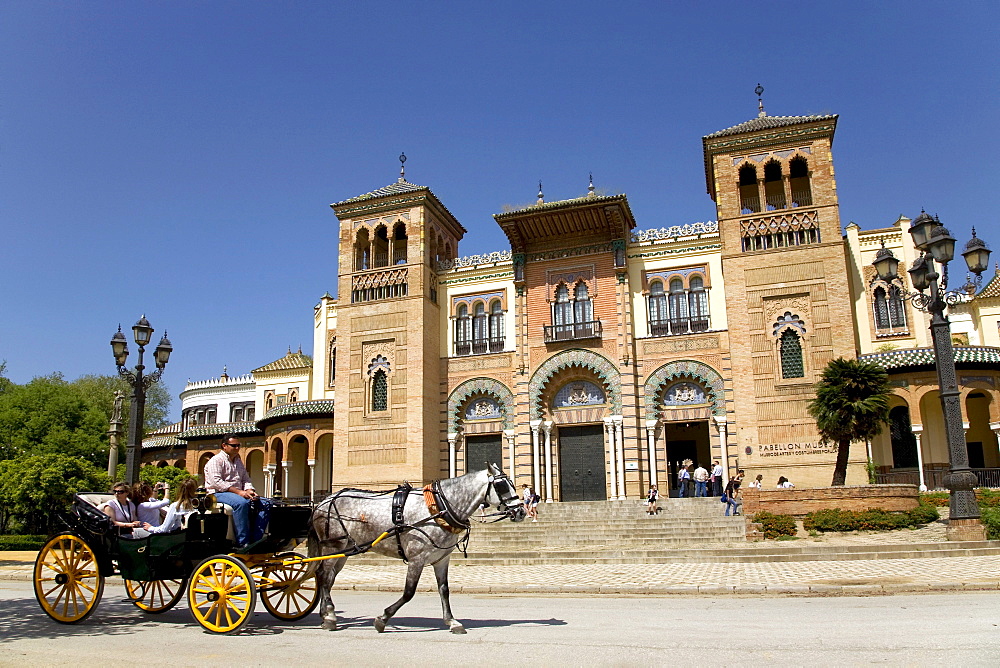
(749, 195)
(774, 186)
(798, 173)
(790, 347)
(381, 247)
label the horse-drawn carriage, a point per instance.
(223, 583)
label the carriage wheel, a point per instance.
(221, 594)
(155, 596)
(289, 591)
(68, 582)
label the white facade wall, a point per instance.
(222, 392)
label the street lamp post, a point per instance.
(937, 245)
(139, 383)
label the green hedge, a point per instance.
(21, 543)
(987, 498)
(773, 525)
(991, 520)
(873, 519)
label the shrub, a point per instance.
(991, 520)
(939, 499)
(21, 543)
(773, 525)
(873, 519)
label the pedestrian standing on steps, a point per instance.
(716, 479)
(683, 482)
(700, 481)
(530, 503)
(732, 497)
(651, 498)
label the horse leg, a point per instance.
(413, 571)
(441, 572)
(326, 575)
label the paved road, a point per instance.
(910, 629)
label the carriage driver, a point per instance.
(227, 478)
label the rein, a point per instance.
(441, 512)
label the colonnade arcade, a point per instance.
(579, 444)
(914, 447)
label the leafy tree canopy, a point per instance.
(32, 487)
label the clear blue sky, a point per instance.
(178, 158)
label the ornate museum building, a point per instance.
(592, 357)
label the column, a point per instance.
(620, 453)
(509, 435)
(452, 448)
(535, 459)
(547, 427)
(995, 428)
(269, 480)
(312, 478)
(651, 449)
(722, 426)
(918, 430)
(613, 466)
(284, 477)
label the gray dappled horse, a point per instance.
(425, 526)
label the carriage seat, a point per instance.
(96, 499)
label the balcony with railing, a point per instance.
(677, 326)
(479, 346)
(573, 330)
(934, 478)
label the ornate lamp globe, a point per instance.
(976, 254)
(918, 273)
(920, 230)
(886, 264)
(941, 245)
(162, 352)
(143, 331)
(119, 347)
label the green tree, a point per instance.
(851, 404)
(33, 487)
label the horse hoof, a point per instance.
(458, 628)
(379, 624)
(330, 624)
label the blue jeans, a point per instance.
(732, 505)
(682, 487)
(700, 488)
(245, 534)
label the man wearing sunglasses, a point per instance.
(227, 478)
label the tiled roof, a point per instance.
(168, 429)
(397, 188)
(916, 357)
(218, 429)
(992, 288)
(768, 122)
(161, 442)
(558, 204)
(290, 361)
(298, 409)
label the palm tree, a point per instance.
(851, 404)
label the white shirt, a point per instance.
(717, 471)
(700, 474)
(173, 519)
(149, 511)
(785, 485)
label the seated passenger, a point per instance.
(177, 510)
(148, 505)
(227, 478)
(123, 512)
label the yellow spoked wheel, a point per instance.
(68, 583)
(155, 596)
(289, 591)
(221, 594)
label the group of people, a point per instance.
(705, 483)
(136, 511)
(530, 501)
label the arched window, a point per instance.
(463, 331)
(698, 304)
(774, 187)
(658, 324)
(399, 240)
(798, 174)
(678, 304)
(333, 362)
(888, 308)
(380, 391)
(496, 327)
(572, 317)
(362, 251)
(480, 329)
(749, 195)
(790, 347)
(380, 250)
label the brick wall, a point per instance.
(799, 502)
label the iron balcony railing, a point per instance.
(934, 478)
(676, 326)
(480, 346)
(573, 330)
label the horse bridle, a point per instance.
(509, 501)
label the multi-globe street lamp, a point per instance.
(938, 246)
(139, 382)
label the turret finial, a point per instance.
(590, 188)
(760, 101)
(541, 197)
(402, 167)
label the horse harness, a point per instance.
(437, 505)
